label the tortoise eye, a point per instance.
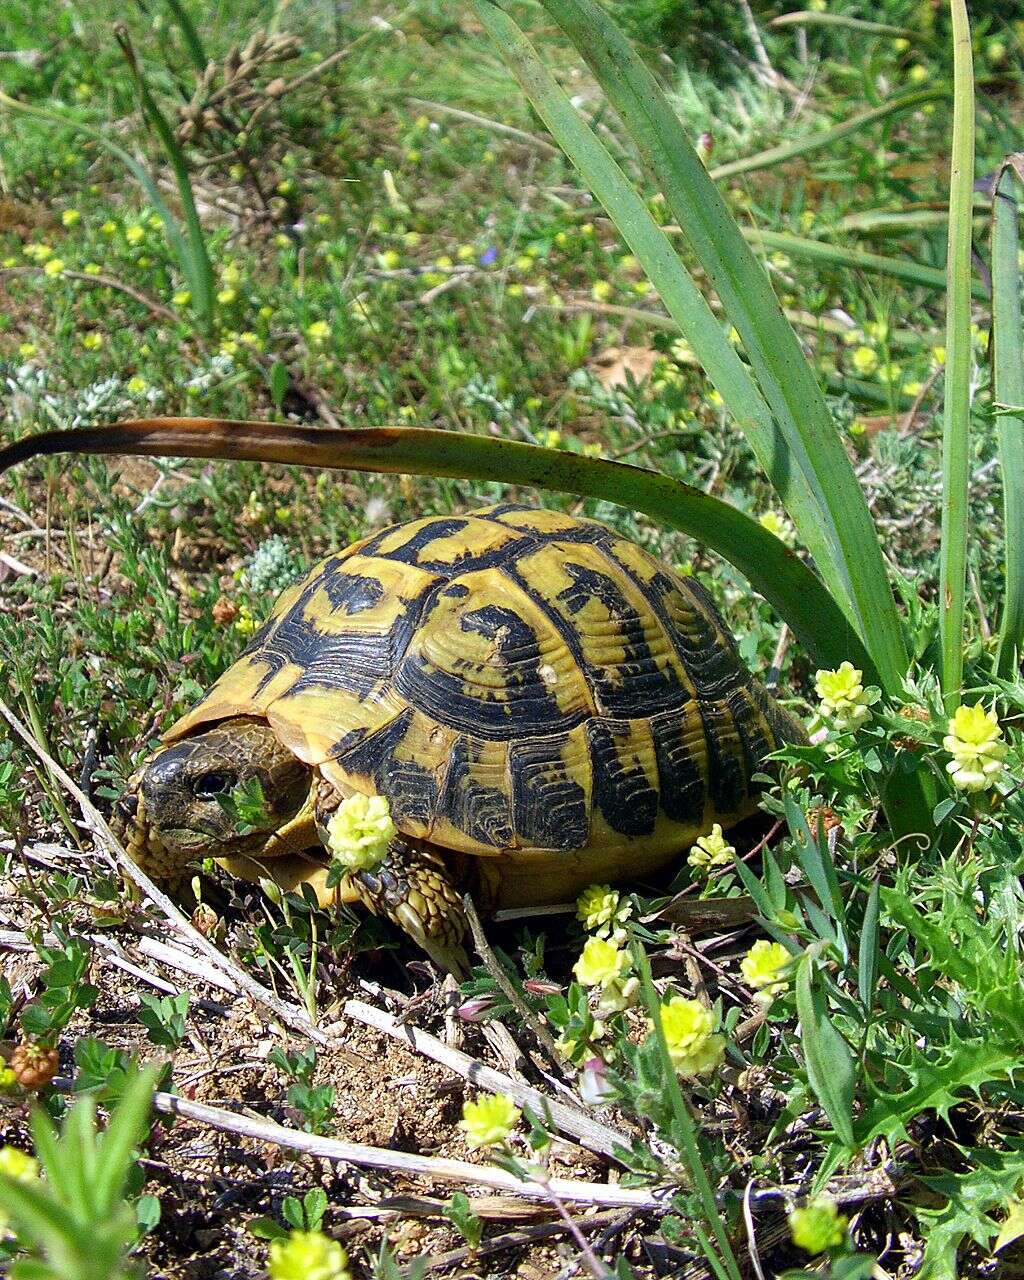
(208, 785)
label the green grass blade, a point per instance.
(835, 255)
(189, 35)
(684, 1127)
(126, 1129)
(145, 180)
(826, 137)
(827, 1056)
(199, 271)
(804, 437)
(809, 17)
(772, 568)
(679, 294)
(957, 406)
(1008, 378)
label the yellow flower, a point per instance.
(27, 349)
(245, 623)
(600, 908)
(601, 962)
(8, 1078)
(763, 966)
(135, 385)
(939, 355)
(285, 187)
(38, 251)
(308, 1255)
(601, 291)
(226, 296)
(918, 74)
(359, 833)
(53, 266)
(865, 360)
(92, 268)
(19, 1167)
(231, 273)
(551, 439)
(411, 239)
(975, 741)
(465, 253)
(778, 525)
(69, 217)
(182, 298)
(390, 259)
(155, 221)
(319, 331)
(135, 234)
(250, 339)
(711, 850)
(817, 1226)
(843, 696)
(489, 1120)
(108, 228)
(444, 262)
(92, 341)
(689, 1028)
(229, 347)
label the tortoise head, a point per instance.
(174, 811)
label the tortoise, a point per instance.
(543, 703)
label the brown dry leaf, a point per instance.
(615, 366)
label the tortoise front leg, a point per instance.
(413, 889)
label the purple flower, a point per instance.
(489, 257)
(475, 1009)
(595, 1087)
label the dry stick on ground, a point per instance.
(260, 1130)
(513, 1240)
(588, 1132)
(93, 820)
(107, 282)
(506, 130)
(16, 940)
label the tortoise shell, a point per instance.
(514, 681)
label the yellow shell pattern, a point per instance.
(514, 681)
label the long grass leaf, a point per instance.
(200, 271)
(835, 255)
(805, 439)
(126, 1129)
(957, 404)
(827, 1056)
(679, 294)
(867, 951)
(825, 137)
(1008, 378)
(771, 567)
